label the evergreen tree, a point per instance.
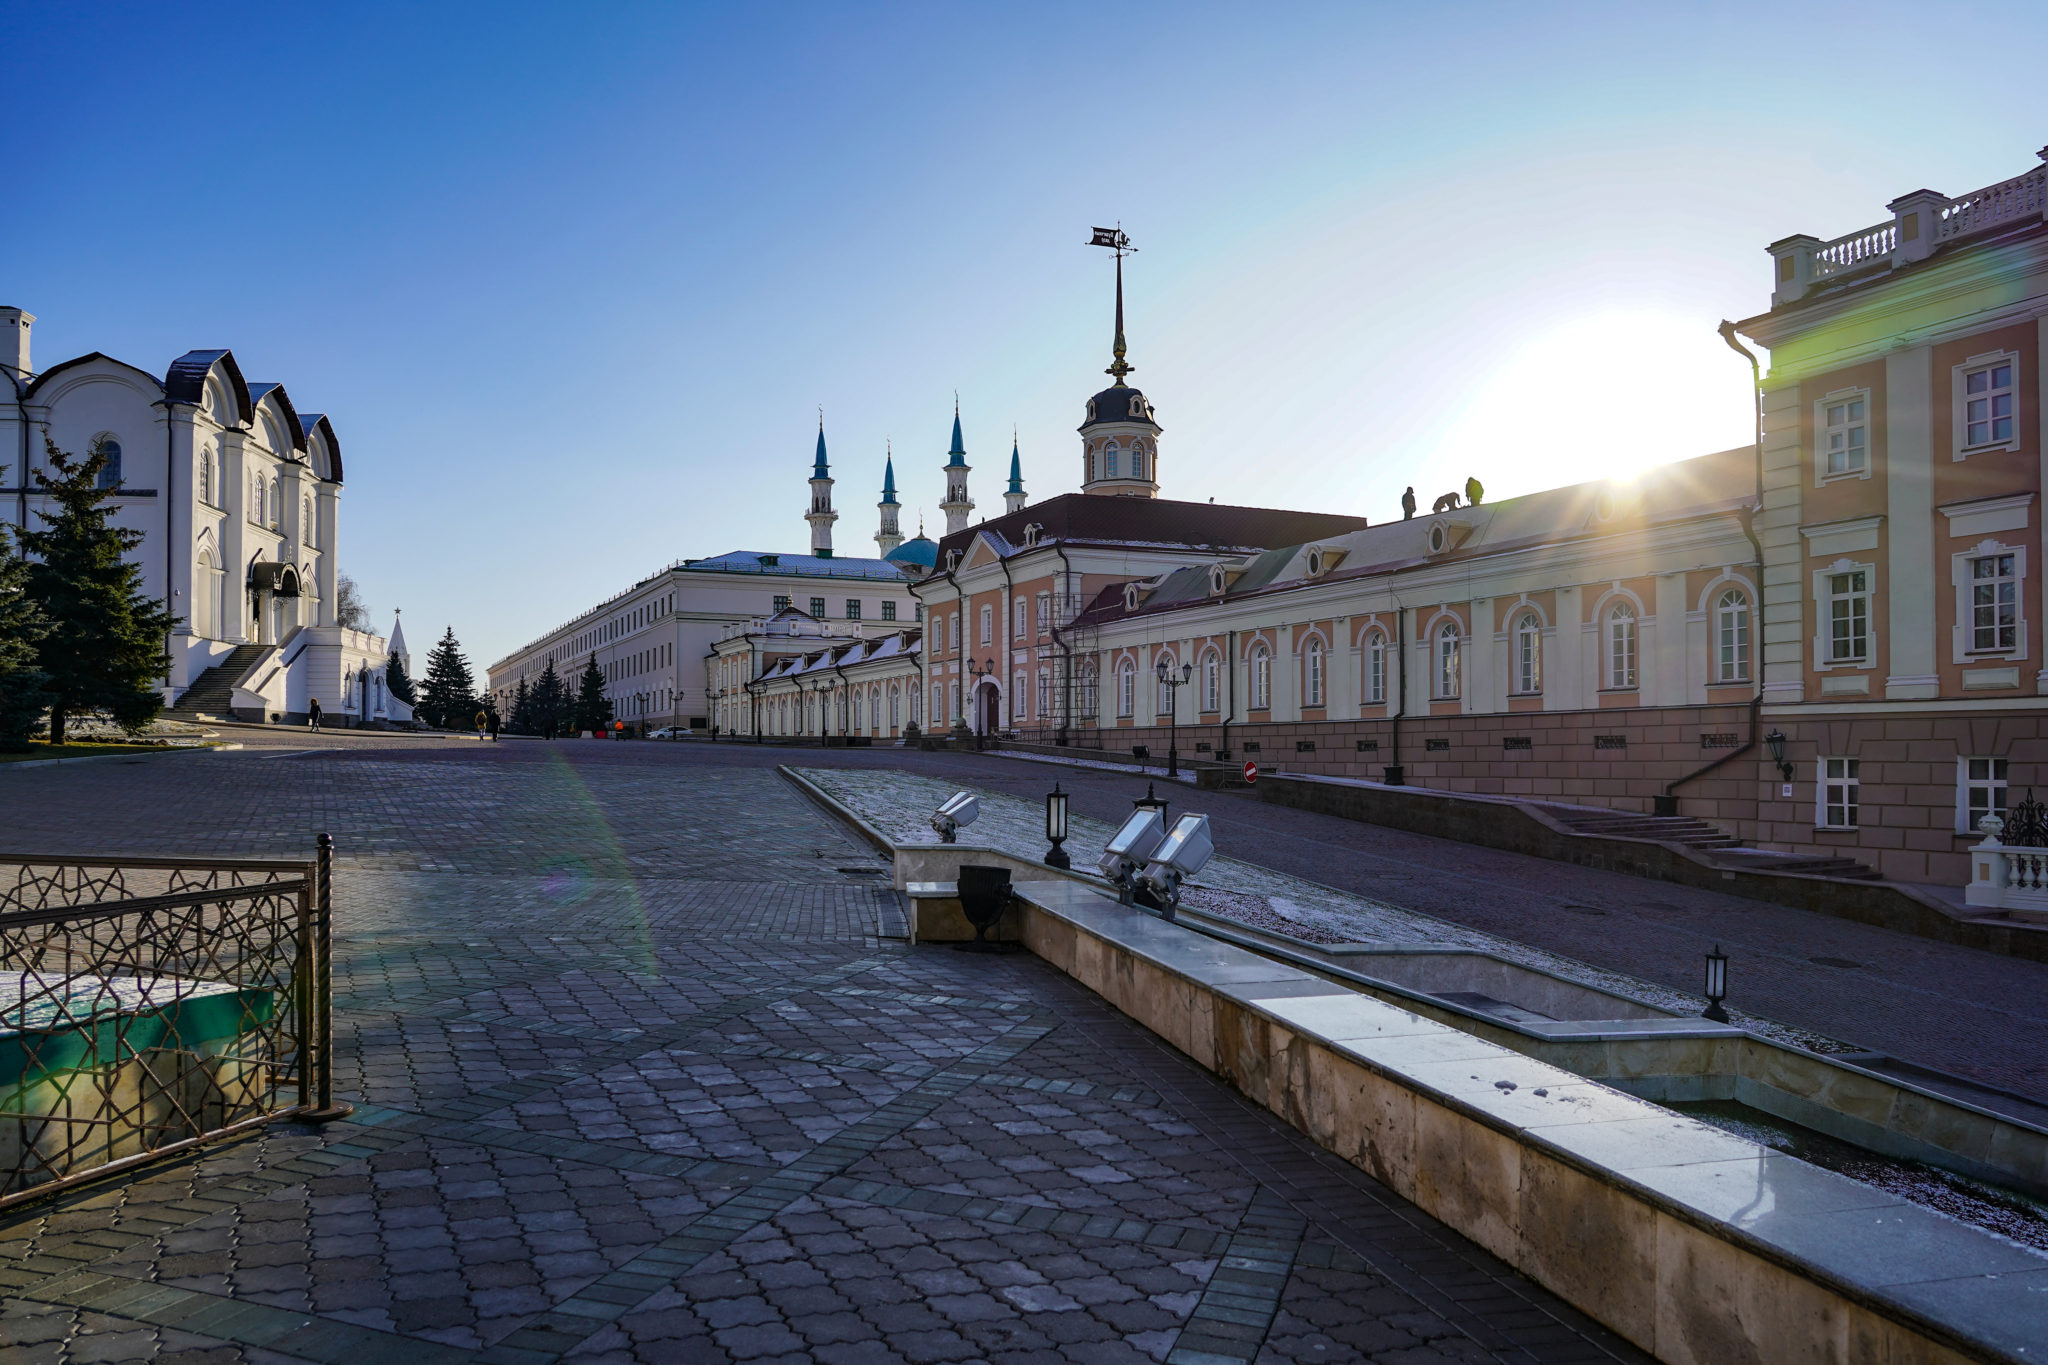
(105, 647)
(593, 707)
(396, 680)
(549, 702)
(520, 722)
(22, 692)
(448, 693)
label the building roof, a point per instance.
(1705, 485)
(297, 429)
(799, 566)
(1090, 518)
(1119, 403)
(921, 551)
(185, 381)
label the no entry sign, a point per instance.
(1251, 771)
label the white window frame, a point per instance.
(1023, 621)
(988, 624)
(1162, 701)
(1823, 601)
(1375, 670)
(1044, 694)
(1020, 693)
(1958, 389)
(1446, 652)
(1212, 683)
(1837, 775)
(1260, 662)
(1822, 430)
(1525, 638)
(1621, 646)
(1312, 672)
(1961, 575)
(1996, 784)
(1717, 629)
(1126, 688)
(1044, 614)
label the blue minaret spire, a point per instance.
(958, 454)
(1013, 496)
(888, 536)
(957, 504)
(821, 516)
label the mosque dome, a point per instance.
(921, 551)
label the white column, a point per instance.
(2041, 575)
(1783, 633)
(1908, 578)
(234, 479)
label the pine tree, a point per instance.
(105, 650)
(593, 707)
(22, 693)
(520, 722)
(396, 680)
(448, 694)
(549, 702)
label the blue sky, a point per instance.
(573, 281)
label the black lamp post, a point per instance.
(1717, 986)
(1056, 827)
(1150, 801)
(1775, 742)
(1173, 686)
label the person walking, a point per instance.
(313, 713)
(492, 725)
(482, 719)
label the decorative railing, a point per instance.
(151, 1004)
(1866, 247)
(2009, 201)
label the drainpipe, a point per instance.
(1008, 633)
(1667, 803)
(1230, 672)
(1395, 776)
(1064, 646)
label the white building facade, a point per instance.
(237, 496)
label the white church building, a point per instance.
(237, 495)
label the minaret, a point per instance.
(821, 516)
(957, 504)
(1013, 496)
(1119, 439)
(888, 537)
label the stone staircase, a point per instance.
(212, 693)
(1719, 846)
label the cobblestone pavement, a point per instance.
(640, 1076)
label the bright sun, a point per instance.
(1605, 395)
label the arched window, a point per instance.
(206, 477)
(1621, 645)
(256, 497)
(110, 472)
(1528, 637)
(1109, 453)
(1137, 462)
(1163, 704)
(1262, 678)
(895, 701)
(206, 601)
(1731, 637)
(1312, 672)
(1212, 682)
(276, 506)
(1375, 669)
(307, 532)
(1126, 688)
(1449, 647)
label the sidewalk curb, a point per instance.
(141, 752)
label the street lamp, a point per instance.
(1775, 742)
(1152, 802)
(1173, 686)
(1056, 827)
(1717, 986)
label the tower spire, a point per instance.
(1013, 496)
(821, 516)
(957, 504)
(1119, 243)
(887, 535)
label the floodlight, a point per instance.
(1180, 856)
(1129, 848)
(961, 810)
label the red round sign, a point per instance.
(1251, 771)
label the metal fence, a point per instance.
(151, 1004)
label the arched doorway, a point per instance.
(988, 709)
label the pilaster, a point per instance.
(234, 537)
(1909, 582)
(1668, 672)
(1482, 663)
(1783, 635)
(1562, 675)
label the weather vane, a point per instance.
(1119, 242)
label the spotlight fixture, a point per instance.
(1129, 849)
(1180, 856)
(961, 810)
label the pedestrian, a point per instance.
(493, 725)
(313, 713)
(482, 719)
(1474, 490)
